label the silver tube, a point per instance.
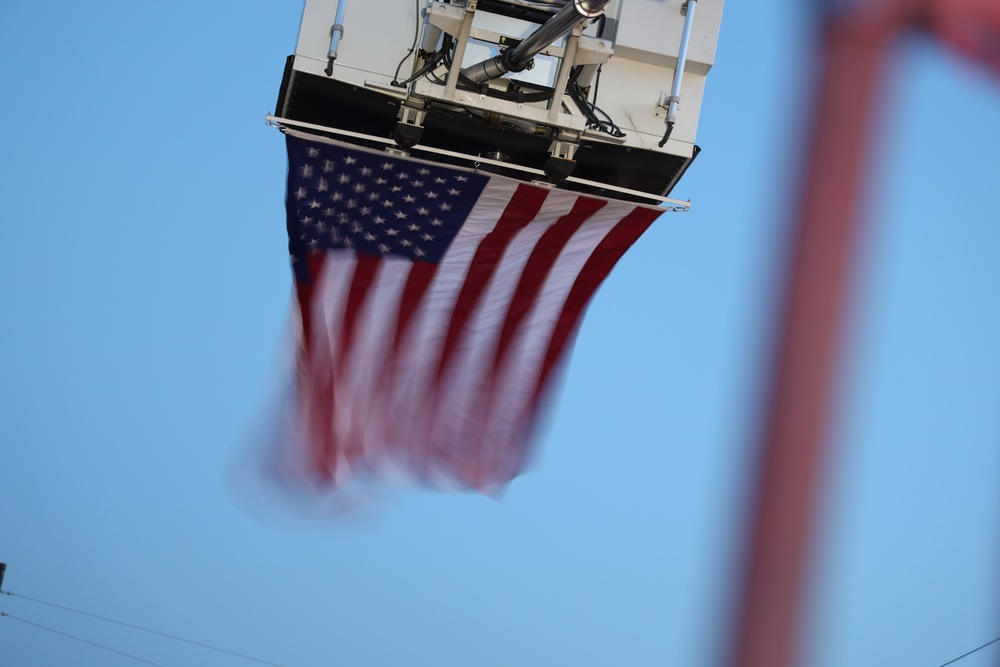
(554, 28)
(336, 32)
(431, 38)
(675, 91)
(517, 58)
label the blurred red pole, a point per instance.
(770, 610)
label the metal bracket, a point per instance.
(565, 150)
(560, 163)
(411, 114)
(663, 103)
(409, 126)
(461, 41)
(562, 77)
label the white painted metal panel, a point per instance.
(650, 31)
(377, 34)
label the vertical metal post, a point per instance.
(336, 32)
(682, 56)
(674, 101)
(562, 76)
(461, 40)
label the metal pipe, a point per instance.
(431, 38)
(336, 32)
(682, 55)
(674, 101)
(519, 57)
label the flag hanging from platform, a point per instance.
(433, 304)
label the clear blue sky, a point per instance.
(144, 297)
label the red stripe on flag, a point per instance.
(417, 283)
(478, 470)
(540, 262)
(315, 382)
(317, 402)
(304, 293)
(521, 210)
(365, 270)
(418, 280)
(597, 268)
(500, 450)
(327, 370)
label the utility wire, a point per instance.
(138, 627)
(81, 639)
(970, 652)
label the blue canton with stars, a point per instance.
(374, 204)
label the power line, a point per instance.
(81, 639)
(138, 627)
(970, 652)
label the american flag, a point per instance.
(433, 304)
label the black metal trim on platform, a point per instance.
(327, 102)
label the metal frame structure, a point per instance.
(575, 93)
